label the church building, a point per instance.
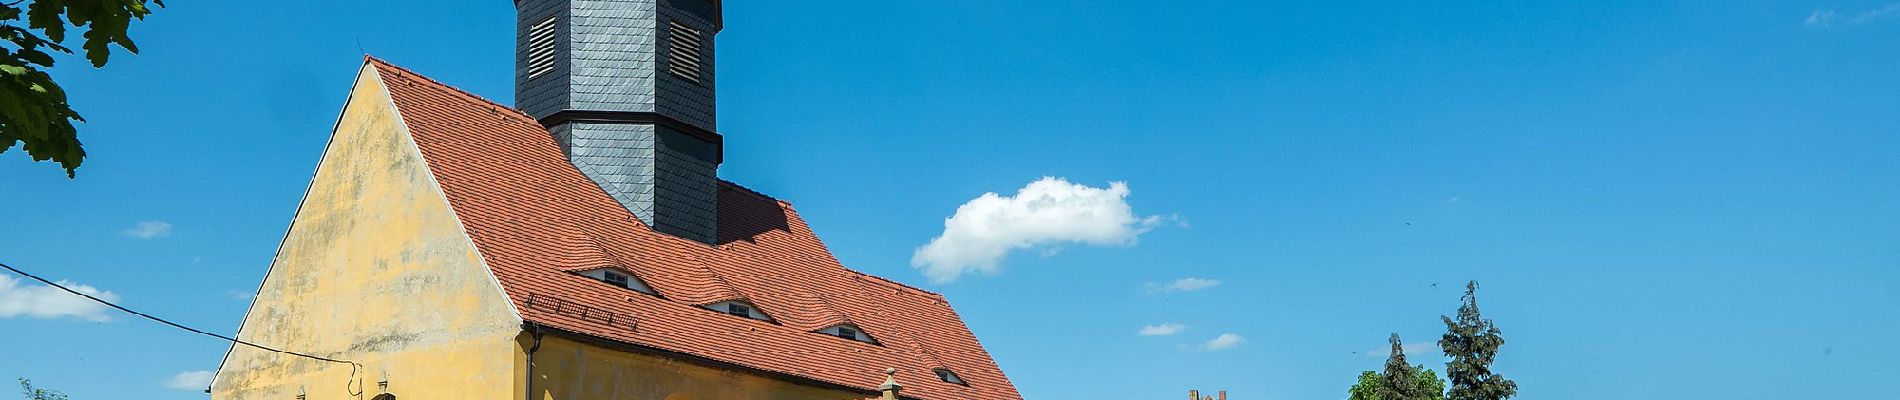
(578, 245)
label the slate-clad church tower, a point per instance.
(626, 88)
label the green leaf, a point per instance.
(126, 42)
(36, 57)
(97, 50)
(47, 16)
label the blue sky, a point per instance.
(1662, 199)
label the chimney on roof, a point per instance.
(1196, 395)
(626, 88)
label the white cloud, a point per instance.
(1827, 18)
(1820, 18)
(1223, 342)
(1162, 330)
(1871, 15)
(1046, 213)
(191, 380)
(1411, 349)
(1188, 284)
(47, 302)
(149, 230)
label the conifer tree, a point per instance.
(1472, 343)
(1400, 380)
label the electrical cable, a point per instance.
(354, 367)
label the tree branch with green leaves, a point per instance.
(33, 393)
(34, 109)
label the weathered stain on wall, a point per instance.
(570, 370)
(376, 269)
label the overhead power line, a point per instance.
(354, 367)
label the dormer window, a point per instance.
(848, 332)
(616, 278)
(619, 278)
(951, 377)
(739, 309)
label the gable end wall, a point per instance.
(376, 269)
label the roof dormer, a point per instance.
(739, 308)
(945, 375)
(619, 277)
(848, 331)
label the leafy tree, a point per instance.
(1367, 388)
(1428, 381)
(26, 387)
(1472, 343)
(33, 108)
(1370, 381)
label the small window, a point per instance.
(620, 278)
(684, 54)
(739, 308)
(948, 376)
(617, 279)
(848, 332)
(540, 60)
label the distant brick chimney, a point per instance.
(1196, 395)
(626, 88)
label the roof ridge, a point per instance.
(900, 285)
(406, 73)
(748, 190)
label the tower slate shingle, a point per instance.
(645, 133)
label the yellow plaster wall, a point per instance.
(376, 269)
(570, 370)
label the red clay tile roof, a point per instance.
(533, 217)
